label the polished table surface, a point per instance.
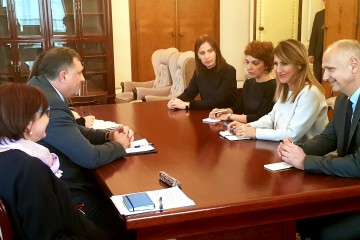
(227, 180)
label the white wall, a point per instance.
(234, 32)
(121, 39)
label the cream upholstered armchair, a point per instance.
(159, 59)
(182, 69)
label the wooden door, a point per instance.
(152, 24)
(156, 24)
(341, 22)
(194, 20)
(276, 20)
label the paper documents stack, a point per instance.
(171, 198)
(106, 125)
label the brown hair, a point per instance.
(18, 105)
(263, 51)
(220, 61)
(52, 61)
(292, 51)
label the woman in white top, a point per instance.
(300, 111)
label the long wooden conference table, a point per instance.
(236, 198)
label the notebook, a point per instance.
(138, 202)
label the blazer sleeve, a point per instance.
(314, 34)
(85, 147)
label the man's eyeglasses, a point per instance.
(46, 112)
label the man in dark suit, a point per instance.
(58, 73)
(317, 44)
(341, 62)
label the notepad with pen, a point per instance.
(138, 202)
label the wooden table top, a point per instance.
(222, 177)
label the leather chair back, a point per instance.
(161, 67)
(5, 224)
(185, 68)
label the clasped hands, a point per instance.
(291, 153)
(242, 129)
(176, 103)
(123, 135)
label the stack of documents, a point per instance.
(105, 125)
(170, 198)
(229, 136)
(139, 147)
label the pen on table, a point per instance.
(226, 125)
(143, 145)
(161, 206)
(85, 114)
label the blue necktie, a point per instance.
(349, 112)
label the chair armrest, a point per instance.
(129, 86)
(150, 98)
(140, 91)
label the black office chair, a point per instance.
(5, 224)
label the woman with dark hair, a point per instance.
(213, 79)
(300, 111)
(38, 201)
(258, 91)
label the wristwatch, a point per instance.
(187, 105)
(229, 117)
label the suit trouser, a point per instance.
(336, 226)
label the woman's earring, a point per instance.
(266, 71)
(299, 67)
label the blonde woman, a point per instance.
(300, 111)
